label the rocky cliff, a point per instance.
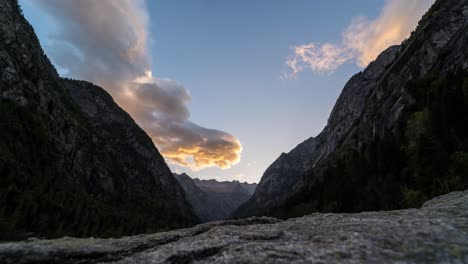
(214, 200)
(72, 162)
(397, 135)
(436, 233)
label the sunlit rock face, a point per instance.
(214, 200)
(396, 136)
(72, 162)
(435, 233)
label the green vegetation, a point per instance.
(61, 174)
(437, 141)
(37, 196)
(423, 156)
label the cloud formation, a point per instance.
(362, 41)
(105, 42)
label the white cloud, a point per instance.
(362, 41)
(321, 59)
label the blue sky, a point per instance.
(231, 55)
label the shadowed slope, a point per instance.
(71, 161)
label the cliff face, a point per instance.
(214, 200)
(71, 161)
(397, 135)
(436, 233)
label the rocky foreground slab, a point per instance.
(438, 232)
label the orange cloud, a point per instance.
(161, 111)
(362, 41)
(200, 156)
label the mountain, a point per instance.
(397, 136)
(250, 187)
(72, 162)
(227, 195)
(225, 186)
(436, 233)
(214, 200)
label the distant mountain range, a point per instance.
(214, 200)
(224, 186)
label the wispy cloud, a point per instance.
(362, 41)
(319, 58)
(105, 42)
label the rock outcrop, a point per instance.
(72, 162)
(396, 137)
(436, 233)
(214, 200)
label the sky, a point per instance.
(222, 87)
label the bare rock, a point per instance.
(437, 233)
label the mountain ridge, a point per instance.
(63, 165)
(383, 115)
(214, 200)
